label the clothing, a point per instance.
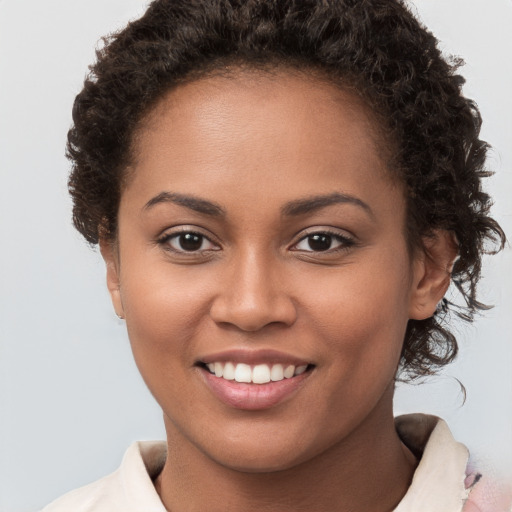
(440, 482)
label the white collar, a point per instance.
(438, 482)
(437, 485)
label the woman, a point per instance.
(282, 193)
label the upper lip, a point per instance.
(254, 357)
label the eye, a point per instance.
(188, 242)
(323, 242)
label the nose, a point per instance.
(252, 295)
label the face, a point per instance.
(262, 268)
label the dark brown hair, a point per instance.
(374, 47)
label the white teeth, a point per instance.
(259, 374)
(289, 371)
(229, 371)
(300, 369)
(276, 373)
(219, 369)
(243, 373)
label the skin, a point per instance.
(254, 144)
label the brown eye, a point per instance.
(319, 242)
(323, 242)
(189, 242)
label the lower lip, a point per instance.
(253, 396)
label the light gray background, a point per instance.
(71, 400)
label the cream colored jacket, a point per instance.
(440, 483)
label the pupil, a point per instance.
(190, 242)
(319, 242)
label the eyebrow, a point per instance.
(315, 203)
(293, 208)
(192, 203)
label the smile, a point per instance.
(254, 380)
(257, 374)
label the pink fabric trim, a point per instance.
(486, 495)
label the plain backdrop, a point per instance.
(71, 400)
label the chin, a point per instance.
(258, 457)
(258, 464)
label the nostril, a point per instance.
(252, 315)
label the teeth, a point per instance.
(276, 373)
(228, 372)
(242, 373)
(289, 371)
(300, 369)
(259, 374)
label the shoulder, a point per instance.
(97, 496)
(445, 478)
(438, 482)
(127, 489)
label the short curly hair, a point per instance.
(376, 48)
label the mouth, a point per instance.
(255, 374)
(254, 381)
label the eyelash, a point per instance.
(345, 242)
(165, 240)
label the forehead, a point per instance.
(250, 90)
(254, 130)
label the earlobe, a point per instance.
(432, 273)
(111, 258)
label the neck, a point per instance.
(369, 471)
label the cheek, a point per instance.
(361, 312)
(165, 309)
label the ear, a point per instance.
(432, 273)
(111, 257)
